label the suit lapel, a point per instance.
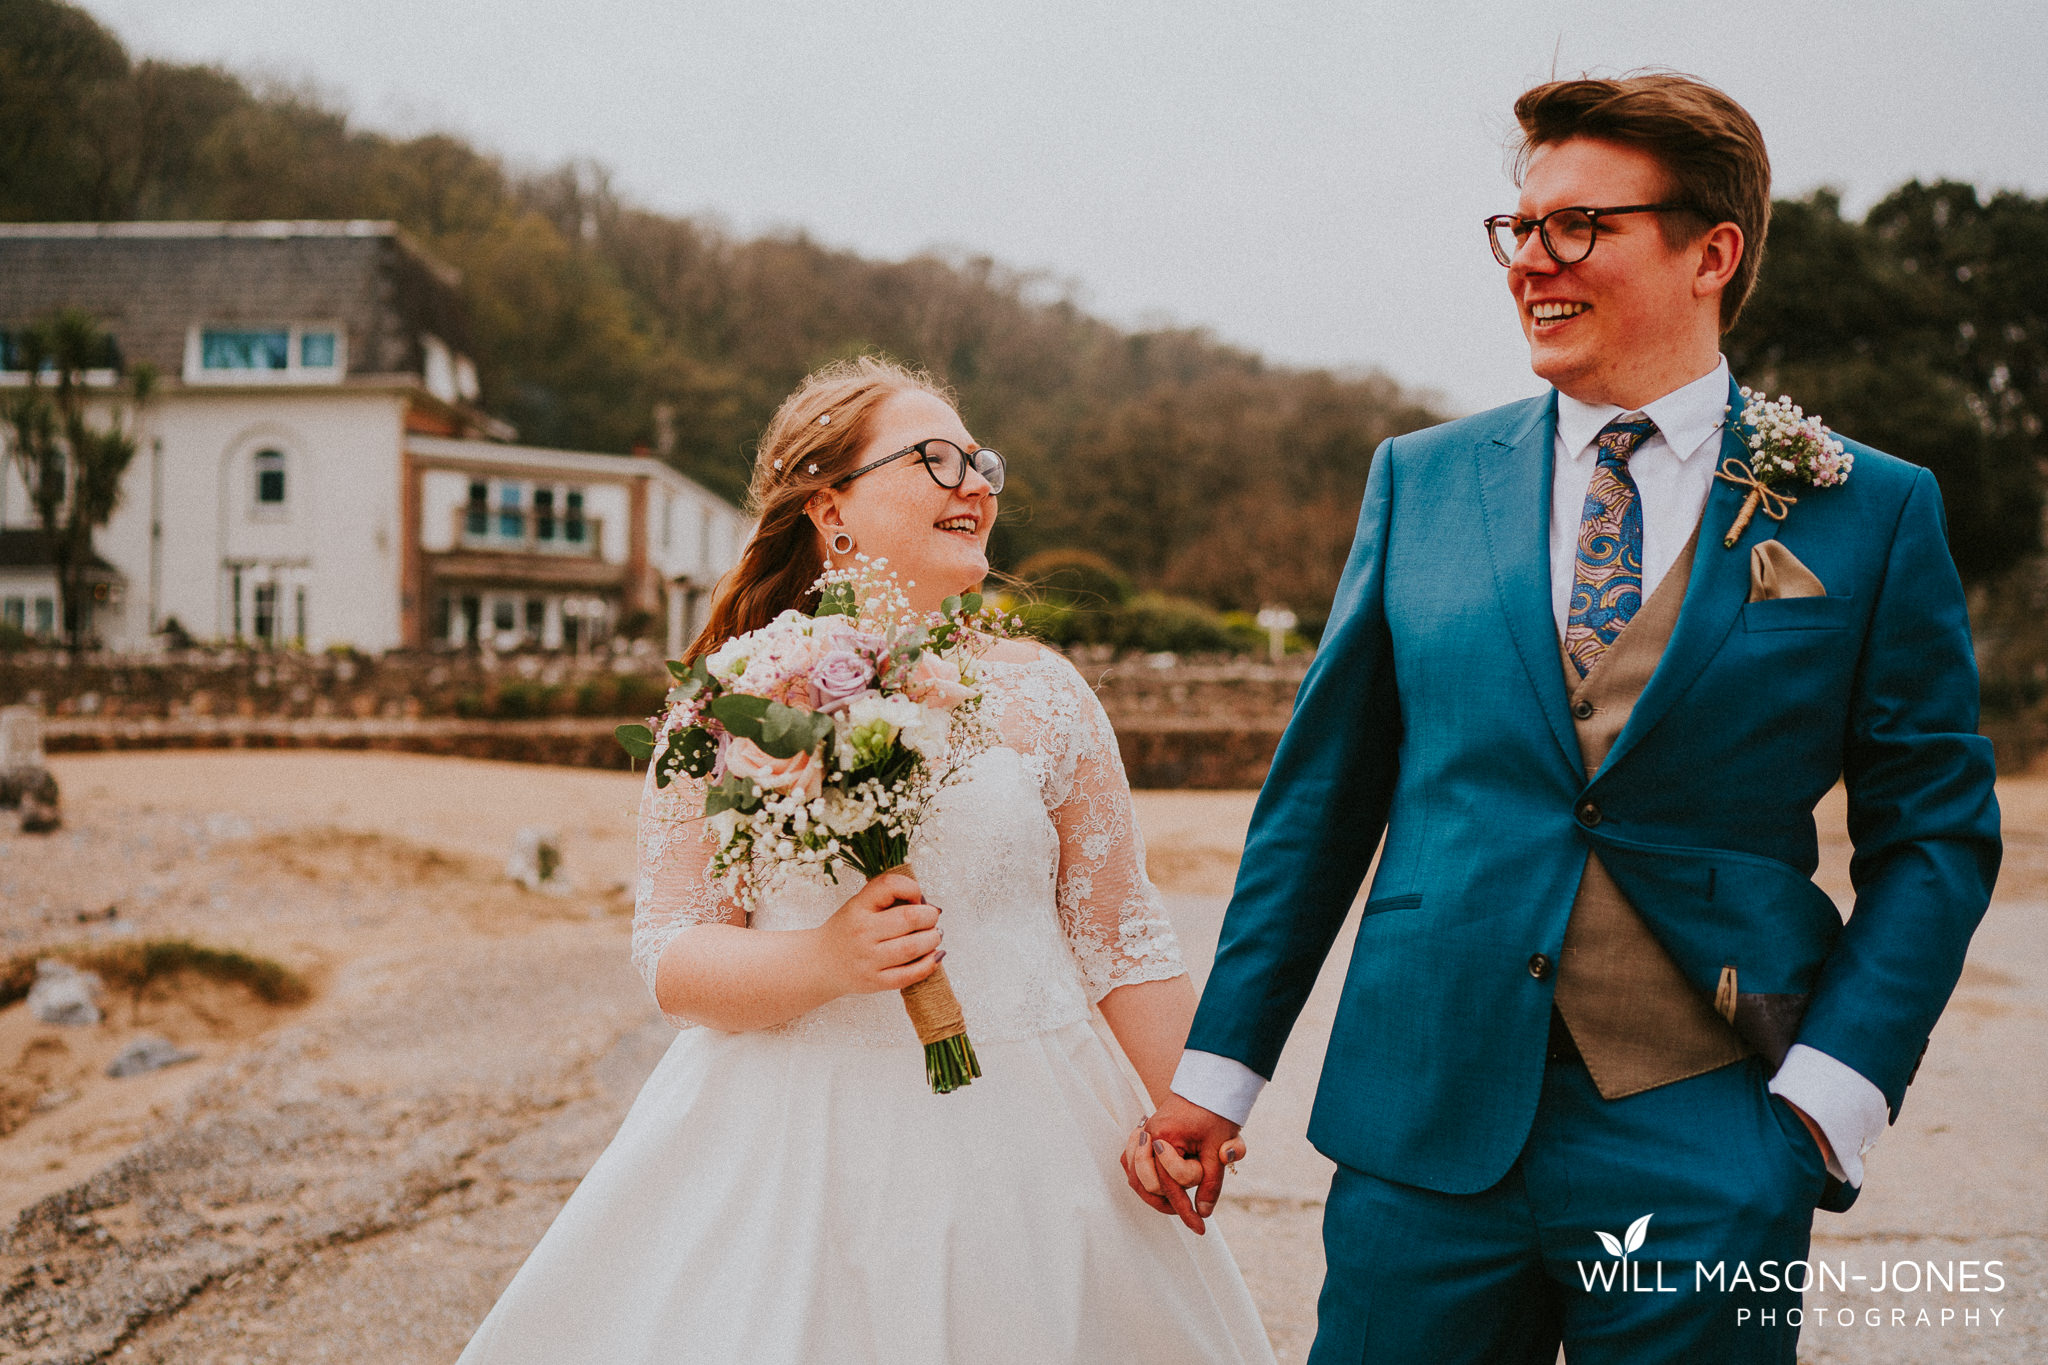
(1713, 597)
(1514, 472)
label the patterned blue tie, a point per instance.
(1607, 588)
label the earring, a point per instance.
(845, 549)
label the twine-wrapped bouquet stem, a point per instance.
(949, 1060)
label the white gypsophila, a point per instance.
(724, 824)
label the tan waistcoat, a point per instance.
(1636, 1020)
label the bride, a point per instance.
(786, 1188)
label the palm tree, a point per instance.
(71, 467)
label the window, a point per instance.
(536, 617)
(224, 350)
(543, 514)
(511, 523)
(477, 521)
(313, 353)
(46, 615)
(572, 521)
(266, 612)
(104, 361)
(269, 479)
(299, 614)
(504, 614)
(14, 612)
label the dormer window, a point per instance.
(304, 354)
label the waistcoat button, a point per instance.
(1583, 709)
(1589, 814)
(1539, 966)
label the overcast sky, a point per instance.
(1304, 178)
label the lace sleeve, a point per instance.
(675, 889)
(1111, 913)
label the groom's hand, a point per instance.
(1182, 1144)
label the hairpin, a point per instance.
(811, 468)
(778, 464)
(826, 420)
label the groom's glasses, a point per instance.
(1568, 234)
(945, 462)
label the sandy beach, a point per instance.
(356, 1177)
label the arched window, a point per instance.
(269, 480)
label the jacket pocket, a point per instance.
(1381, 904)
(1799, 613)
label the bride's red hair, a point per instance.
(813, 441)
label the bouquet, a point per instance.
(825, 740)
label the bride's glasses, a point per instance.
(1568, 234)
(945, 462)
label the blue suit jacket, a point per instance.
(1435, 713)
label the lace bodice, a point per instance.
(1035, 856)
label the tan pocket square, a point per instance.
(1775, 571)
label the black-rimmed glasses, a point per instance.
(945, 462)
(1568, 234)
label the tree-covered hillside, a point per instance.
(1193, 466)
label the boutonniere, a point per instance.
(1785, 447)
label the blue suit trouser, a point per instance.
(1727, 1174)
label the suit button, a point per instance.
(1539, 966)
(1589, 814)
(1583, 709)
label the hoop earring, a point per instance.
(845, 549)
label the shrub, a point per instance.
(1075, 578)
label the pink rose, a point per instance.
(839, 677)
(801, 775)
(935, 682)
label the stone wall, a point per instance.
(1198, 724)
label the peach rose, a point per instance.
(935, 682)
(801, 775)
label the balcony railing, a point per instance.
(524, 530)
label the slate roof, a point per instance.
(149, 283)
(30, 549)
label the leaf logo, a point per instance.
(1632, 1240)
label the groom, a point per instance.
(1600, 1027)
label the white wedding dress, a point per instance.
(797, 1194)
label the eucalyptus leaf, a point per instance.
(678, 670)
(742, 715)
(838, 599)
(787, 731)
(636, 740)
(971, 604)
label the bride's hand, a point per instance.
(884, 938)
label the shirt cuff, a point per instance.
(1848, 1108)
(1221, 1085)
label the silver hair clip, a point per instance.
(778, 464)
(811, 468)
(826, 420)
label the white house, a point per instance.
(314, 469)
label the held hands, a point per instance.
(1182, 1145)
(882, 939)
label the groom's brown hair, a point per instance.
(1708, 144)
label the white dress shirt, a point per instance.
(1673, 471)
